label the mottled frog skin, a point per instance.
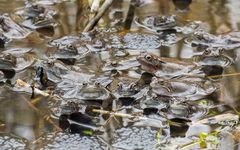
(192, 89)
(204, 39)
(156, 23)
(93, 91)
(213, 56)
(11, 29)
(165, 67)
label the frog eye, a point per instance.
(207, 52)
(70, 46)
(148, 57)
(97, 83)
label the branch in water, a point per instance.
(100, 13)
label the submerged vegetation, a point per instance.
(123, 74)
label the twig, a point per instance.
(113, 113)
(95, 5)
(21, 83)
(100, 13)
(130, 15)
(187, 146)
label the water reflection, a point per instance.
(219, 17)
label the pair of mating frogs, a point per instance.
(201, 38)
(180, 78)
(170, 67)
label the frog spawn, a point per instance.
(12, 142)
(135, 138)
(61, 141)
(145, 41)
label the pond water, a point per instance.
(99, 94)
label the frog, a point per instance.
(156, 23)
(94, 92)
(70, 53)
(201, 38)
(164, 25)
(35, 16)
(155, 102)
(11, 30)
(53, 69)
(17, 62)
(120, 65)
(190, 89)
(226, 119)
(166, 67)
(186, 110)
(213, 56)
(126, 90)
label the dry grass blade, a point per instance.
(21, 83)
(112, 113)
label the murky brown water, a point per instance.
(28, 118)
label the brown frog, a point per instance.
(204, 39)
(11, 29)
(213, 56)
(188, 88)
(156, 23)
(166, 67)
